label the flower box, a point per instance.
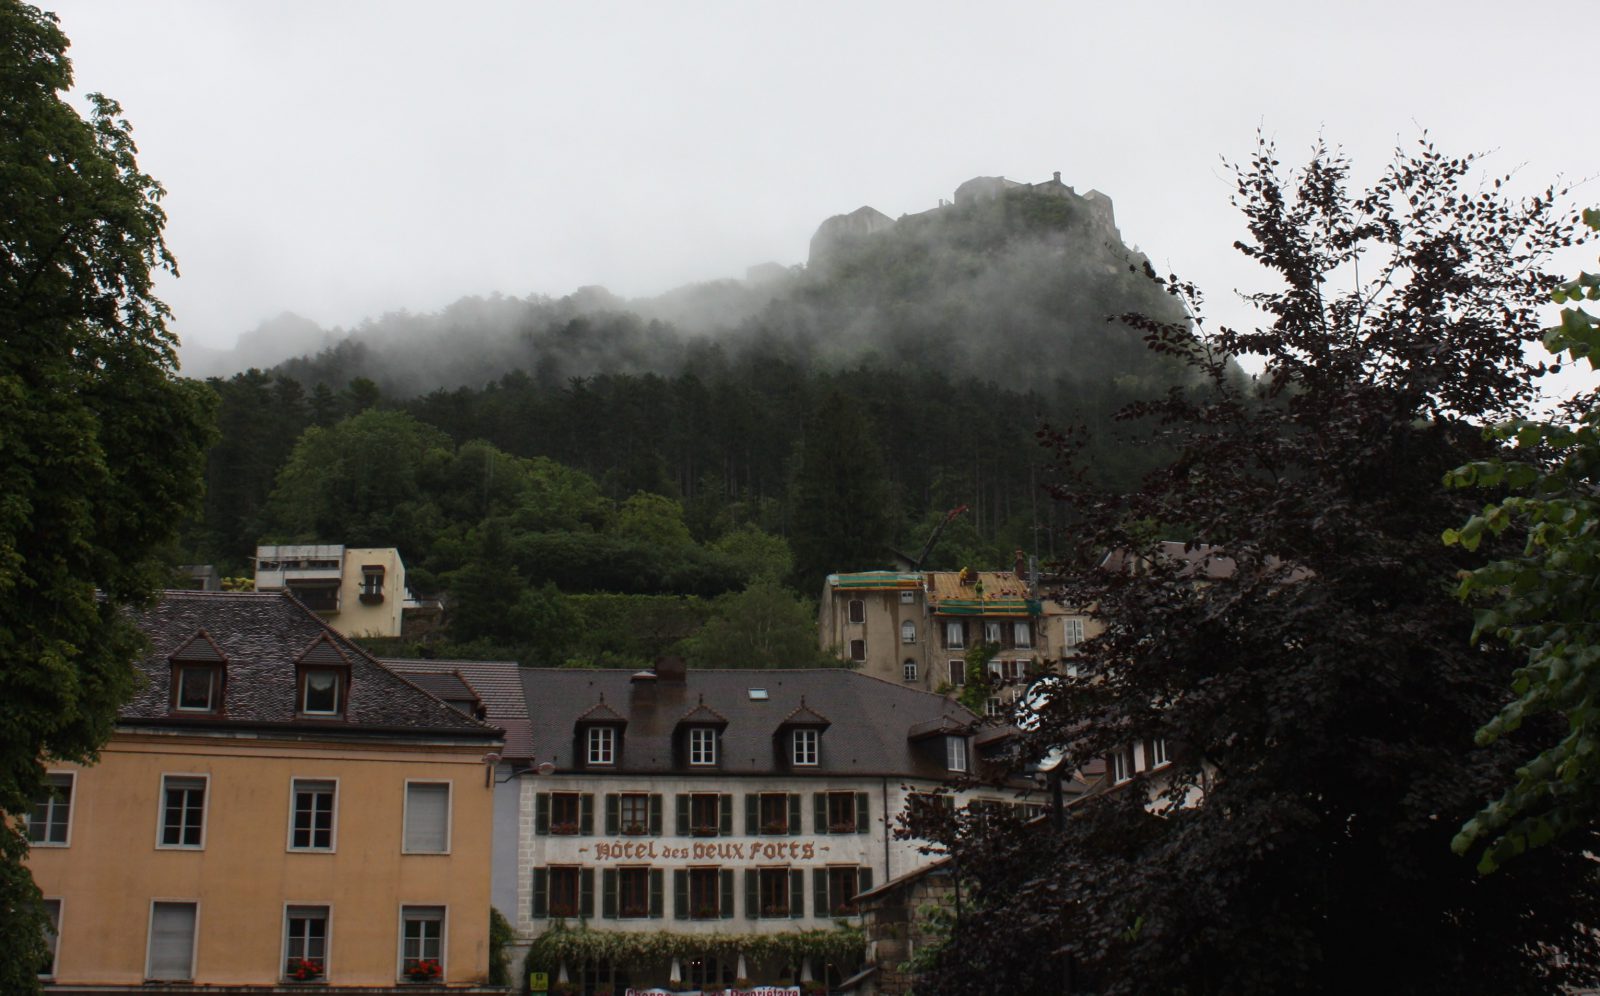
(775, 910)
(303, 970)
(775, 827)
(844, 826)
(564, 829)
(635, 829)
(703, 831)
(423, 970)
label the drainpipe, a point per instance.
(884, 788)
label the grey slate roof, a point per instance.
(260, 636)
(869, 719)
(498, 686)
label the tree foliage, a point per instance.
(1305, 660)
(1544, 601)
(100, 442)
(764, 626)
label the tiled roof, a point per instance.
(868, 732)
(498, 685)
(199, 648)
(448, 686)
(1002, 594)
(601, 713)
(261, 636)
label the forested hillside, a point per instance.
(521, 453)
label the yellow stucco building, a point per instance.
(275, 807)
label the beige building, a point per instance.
(359, 591)
(274, 807)
(916, 627)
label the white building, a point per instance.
(359, 591)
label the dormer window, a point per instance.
(321, 692)
(805, 747)
(198, 676)
(602, 745)
(955, 753)
(702, 746)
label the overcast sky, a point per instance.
(344, 159)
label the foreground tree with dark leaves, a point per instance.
(1305, 662)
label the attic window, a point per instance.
(199, 687)
(758, 695)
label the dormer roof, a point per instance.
(199, 649)
(323, 651)
(804, 715)
(601, 714)
(703, 715)
(943, 726)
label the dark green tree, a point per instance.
(843, 512)
(1307, 666)
(763, 626)
(100, 443)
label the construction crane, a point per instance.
(933, 537)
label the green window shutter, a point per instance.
(819, 812)
(726, 881)
(863, 880)
(863, 812)
(797, 894)
(752, 895)
(794, 814)
(819, 892)
(680, 893)
(657, 901)
(655, 815)
(541, 813)
(683, 815)
(725, 811)
(613, 821)
(586, 814)
(751, 801)
(608, 893)
(541, 894)
(586, 893)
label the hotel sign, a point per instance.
(776, 849)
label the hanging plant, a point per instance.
(581, 944)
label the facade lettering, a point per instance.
(759, 850)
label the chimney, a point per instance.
(1058, 176)
(1022, 568)
(671, 669)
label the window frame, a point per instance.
(150, 936)
(625, 826)
(958, 672)
(908, 631)
(833, 874)
(955, 634)
(993, 631)
(54, 911)
(214, 684)
(858, 650)
(1160, 753)
(777, 802)
(600, 746)
(856, 612)
(1122, 768)
(1071, 633)
(1022, 634)
(572, 801)
(702, 746)
(449, 814)
(327, 938)
(697, 875)
(423, 913)
(333, 816)
(908, 669)
(575, 873)
(805, 748)
(304, 692)
(52, 802)
(642, 874)
(837, 826)
(161, 810)
(955, 753)
(696, 803)
(779, 874)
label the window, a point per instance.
(565, 813)
(305, 943)
(633, 892)
(705, 814)
(841, 812)
(805, 747)
(955, 753)
(422, 942)
(170, 956)
(602, 745)
(565, 892)
(51, 819)
(958, 672)
(858, 650)
(1022, 633)
(633, 812)
(908, 598)
(1012, 672)
(908, 669)
(773, 899)
(320, 691)
(705, 893)
(702, 745)
(842, 886)
(199, 688)
(992, 706)
(1122, 765)
(1071, 632)
(52, 937)
(311, 826)
(991, 632)
(183, 809)
(955, 634)
(774, 813)
(372, 584)
(858, 610)
(908, 632)
(427, 818)
(1158, 753)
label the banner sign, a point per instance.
(702, 850)
(752, 991)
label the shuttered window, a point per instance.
(427, 828)
(172, 927)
